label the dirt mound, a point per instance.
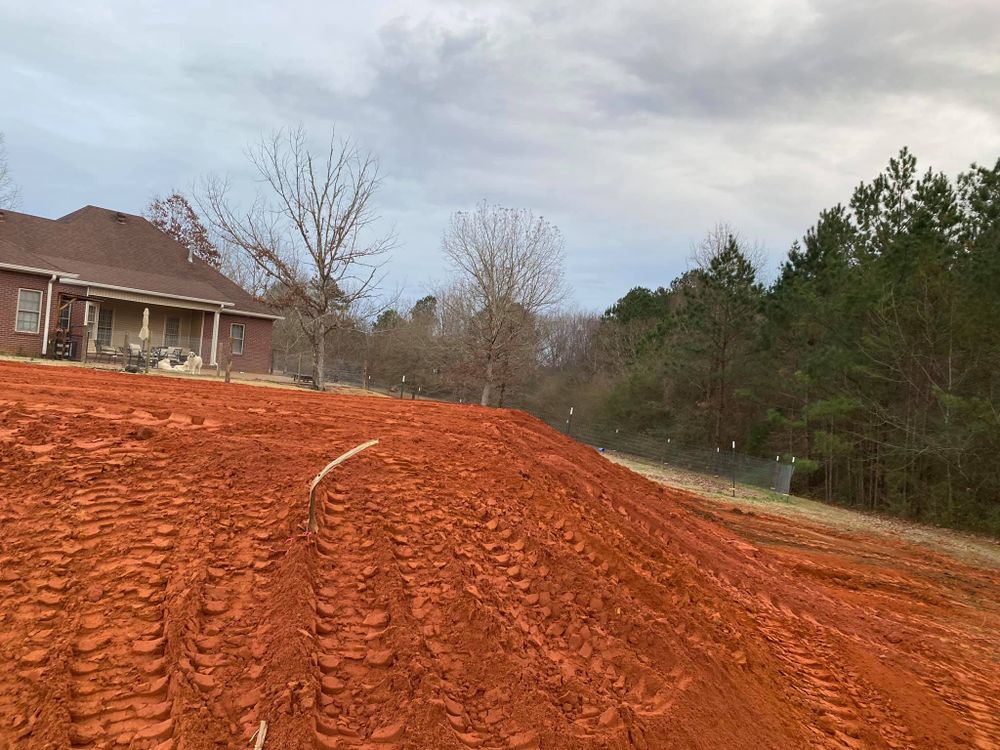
(477, 580)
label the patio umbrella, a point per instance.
(144, 334)
(144, 331)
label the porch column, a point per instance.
(215, 340)
(48, 316)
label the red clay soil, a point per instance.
(478, 580)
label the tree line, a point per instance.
(874, 357)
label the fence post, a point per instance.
(734, 468)
(229, 358)
(569, 422)
(402, 387)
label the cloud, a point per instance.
(633, 126)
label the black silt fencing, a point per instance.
(726, 464)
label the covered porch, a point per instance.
(104, 327)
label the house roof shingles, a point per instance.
(96, 246)
(18, 256)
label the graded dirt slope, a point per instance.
(478, 580)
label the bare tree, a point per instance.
(289, 342)
(10, 196)
(715, 242)
(236, 266)
(567, 340)
(509, 268)
(311, 232)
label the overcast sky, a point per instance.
(632, 126)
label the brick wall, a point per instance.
(30, 344)
(256, 355)
(25, 344)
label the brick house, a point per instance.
(76, 288)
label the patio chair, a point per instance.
(134, 354)
(106, 352)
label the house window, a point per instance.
(236, 335)
(65, 315)
(105, 320)
(29, 311)
(90, 319)
(172, 332)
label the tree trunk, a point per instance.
(319, 352)
(488, 385)
(721, 404)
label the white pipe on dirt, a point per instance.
(313, 527)
(260, 735)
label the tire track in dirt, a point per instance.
(589, 677)
(132, 661)
(640, 686)
(119, 683)
(966, 691)
(130, 518)
(217, 616)
(837, 701)
(814, 646)
(362, 692)
(930, 660)
(843, 703)
(423, 560)
(35, 605)
(101, 649)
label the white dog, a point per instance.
(164, 364)
(194, 363)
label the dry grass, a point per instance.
(971, 548)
